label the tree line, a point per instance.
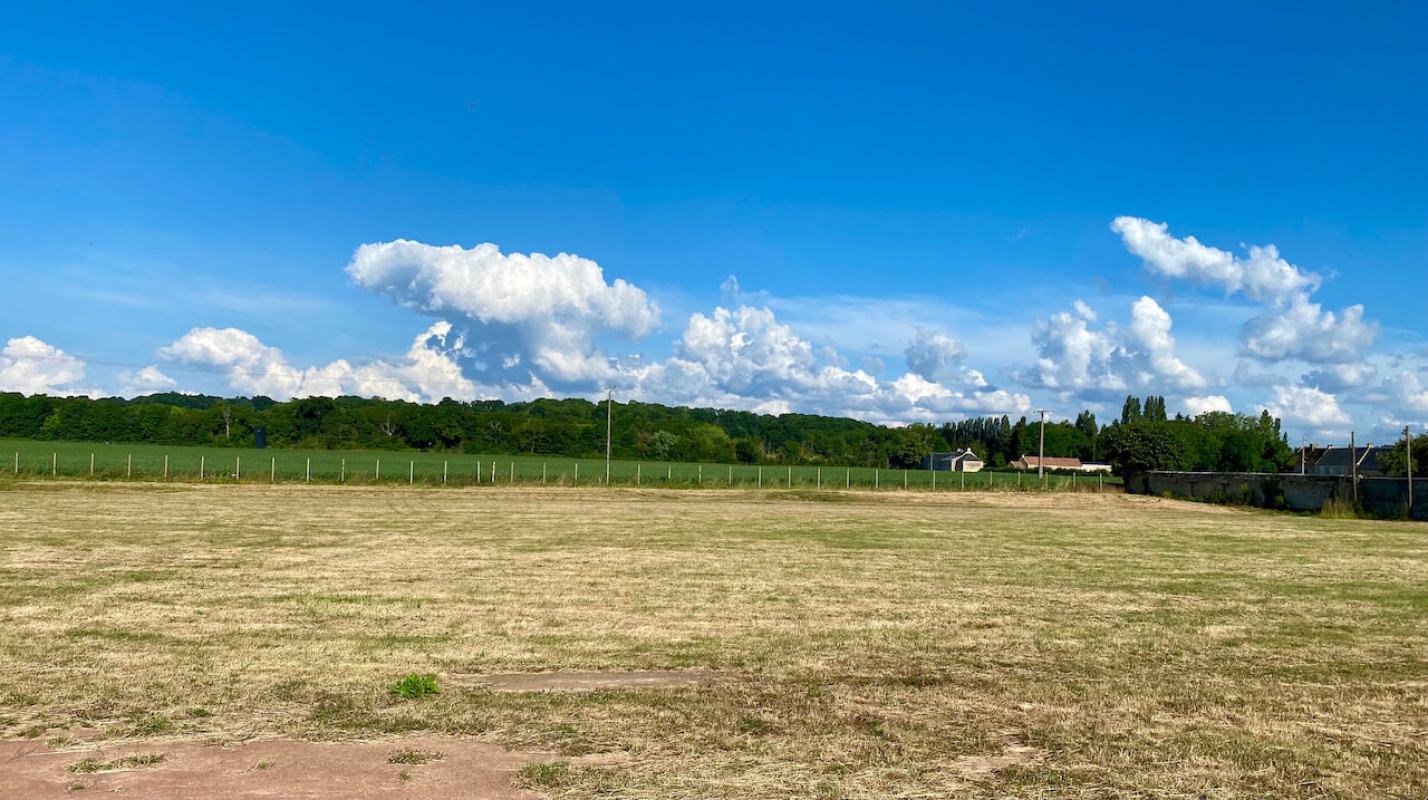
(1143, 438)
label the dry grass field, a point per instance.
(834, 645)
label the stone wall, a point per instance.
(1383, 497)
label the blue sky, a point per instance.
(899, 212)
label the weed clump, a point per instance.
(415, 687)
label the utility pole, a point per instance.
(1354, 467)
(1041, 447)
(609, 416)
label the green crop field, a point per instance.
(825, 644)
(225, 464)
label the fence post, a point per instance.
(731, 474)
(877, 478)
(309, 469)
(542, 473)
(934, 477)
(343, 477)
(637, 474)
(273, 475)
(128, 470)
(54, 464)
(848, 478)
(820, 479)
(166, 467)
(443, 472)
(91, 465)
(17, 462)
(411, 472)
(201, 465)
(790, 477)
(701, 474)
(577, 474)
(761, 477)
(237, 468)
(513, 472)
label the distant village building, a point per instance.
(1027, 462)
(960, 461)
(1341, 461)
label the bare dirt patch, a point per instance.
(284, 769)
(584, 681)
(1013, 754)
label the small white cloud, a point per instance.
(30, 366)
(1248, 373)
(1084, 311)
(934, 356)
(1195, 406)
(832, 356)
(146, 381)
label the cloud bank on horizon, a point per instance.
(520, 326)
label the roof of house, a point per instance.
(1051, 462)
(1366, 456)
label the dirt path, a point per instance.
(286, 770)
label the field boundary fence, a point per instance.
(157, 463)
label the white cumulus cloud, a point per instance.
(1139, 356)
(1195, 406)
(30, 366)
(744, 358)
(1304, 331)
(1291, 326)
(1309, 408)
(1261, 276)
(148, 380)
(938, 357)
(428, 372)
(548, 307)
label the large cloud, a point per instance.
(428, 372)
(744, 358)
(1290, 326)
(549, 309)
(30, 366)
(1264, 276)
(1304, 407)
(1139, 357)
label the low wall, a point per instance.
(1383, 497)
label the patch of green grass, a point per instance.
(151, 725)
(89, 766)
(543, 774)
(410, 756)
(415, 686)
